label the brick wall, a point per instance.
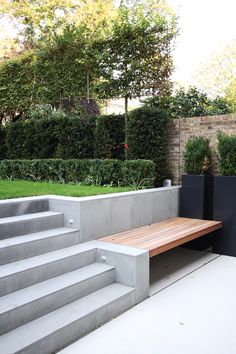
(181, 130)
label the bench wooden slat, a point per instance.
(162, 236)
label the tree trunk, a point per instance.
(88, 87)
(126, 127)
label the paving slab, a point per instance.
(169, 267)
(194, 315)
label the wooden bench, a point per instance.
(165, 235)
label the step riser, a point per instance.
(33, 248)
(40, 307)
(77, 329)
(25, 227)
(10, 208)
(43, 272)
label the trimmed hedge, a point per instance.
(197, 156)
(110, 137)
(227, 154)
(148, 139)
(2, 143)
(138, 173)
(102, 137)
(64, 137)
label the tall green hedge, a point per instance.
(110, 136)
(148, 139)
(2, 143)
(227, 154)
(77, 137)
(138, 173)
(65, 137)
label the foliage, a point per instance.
(37, 20)
(148, 139)
(227, 154)
(16, 86)
(218, 72)
(66, 68)
(136, 58)
(197, 156)
(95, 172)
(45, 111)
(110, 137)
(2, 143)
(127, 55)
(230, 95)
(8, 43)
(190, 103)
(63, 137)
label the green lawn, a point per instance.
(14, 189)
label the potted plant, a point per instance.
(224, 206)
(196, 195)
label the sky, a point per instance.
(205, 27)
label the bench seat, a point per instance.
(165, 235)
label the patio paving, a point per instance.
(192, 311)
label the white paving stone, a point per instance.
(195, 315)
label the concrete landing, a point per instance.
(195, 314)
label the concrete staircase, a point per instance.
(52, 289)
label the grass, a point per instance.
(14, 189)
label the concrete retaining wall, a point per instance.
(108, 214)
(103, 215)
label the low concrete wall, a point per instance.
(103, 215)
(131, 264)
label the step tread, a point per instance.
(17, 240)
(33, 262)
(21, 297)
(22, 337)
(26, 217)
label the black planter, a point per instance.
(196, 201)
(224, 209)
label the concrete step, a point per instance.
(30, 303)
(24, 273)
(21, 206)
(30, 223)
(62, 326)
(21, 247)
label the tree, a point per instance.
(39, 19)
(230, 94)
(65, 69)
(189, 103)
(8, 42)
(120, 52)
(219, 71)
(136, 59)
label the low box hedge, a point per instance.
(138, 173)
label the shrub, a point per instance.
(2, 143)
(148, 139)
(227, 154)
(137, 173)
(190, 103)
(197, 156)
(110, 137)
(62, 137)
